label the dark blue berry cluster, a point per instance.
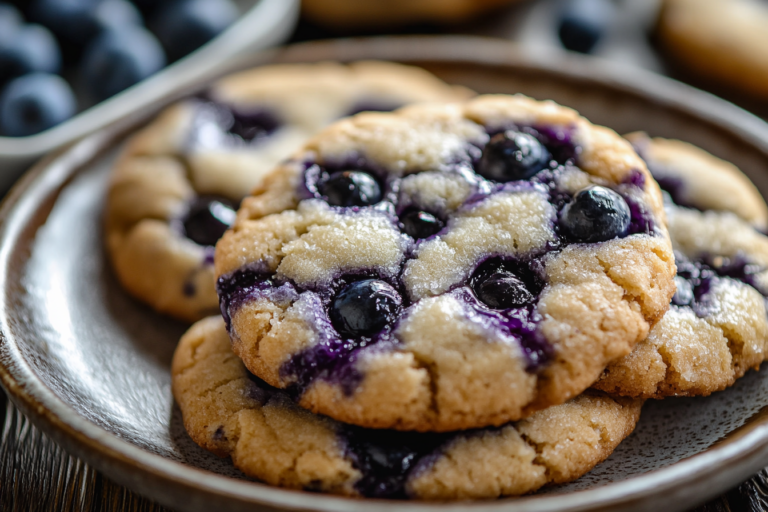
(105, 44)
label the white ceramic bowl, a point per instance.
(264, 23)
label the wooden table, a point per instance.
(36, 475)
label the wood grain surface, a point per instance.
(38, 476)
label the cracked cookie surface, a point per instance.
(717, 327)
(230, 412)
(177, 184)
(446, 267)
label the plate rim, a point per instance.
(685, 482)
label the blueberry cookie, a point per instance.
(447, 267)
(177, 185)
(345, 14)
(230, 412)
(717, 327)
(722, 41)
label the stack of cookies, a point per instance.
(464, 298)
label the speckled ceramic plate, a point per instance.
(91, 366)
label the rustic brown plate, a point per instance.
(90, 366)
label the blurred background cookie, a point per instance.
(177, 185)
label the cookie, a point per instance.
(346, 14)
(232, 413)
(721, 41)
(447, 267)
(717, 326)
(177, 184)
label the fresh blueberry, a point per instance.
(35, 102)
(32, 49)
(68, 19)
(208, 218)
(10, 21)
(118, 59)
(503, 290)
(150, 6)
(185, 25)
(511, 156)
(114, 14)
(418, 224)
(350, 188)
(583, 23)
(684, 292)
(595, 214)
(365, 307)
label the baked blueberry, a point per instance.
(118, 59)
(350, 188)
(250, 126)
(583, 23)
(596, 214)
(365, 307)
(502, 289)
(208, 218)
(32, 49)
(35, 102)
(511, 156)
(185, 25)
(419, 224)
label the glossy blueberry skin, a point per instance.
(32, 49)
(183, 26)
(11, 20)
(118, 59)
(350, 188)
(504, 290)
(419, 224)
(511, 156)
(583, 23)
(208, 218)
(33, 103)
(594, 215)
(364, 308)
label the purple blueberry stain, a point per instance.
(697, 278)
(387, 459)
(216, 124)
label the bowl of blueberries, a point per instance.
(71, 67)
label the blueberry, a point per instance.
(32, 49)
(35, 102)
(208, 218)
(250, 126)
(185, 25)
(10, 21)
(503, 290)
(350, 188)
(118, 59)
(684, 293)
(583, 23)
(68, 19)
(512, 156)
(114, 14)
(418, 224)
(595, 214)
(365, 307)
